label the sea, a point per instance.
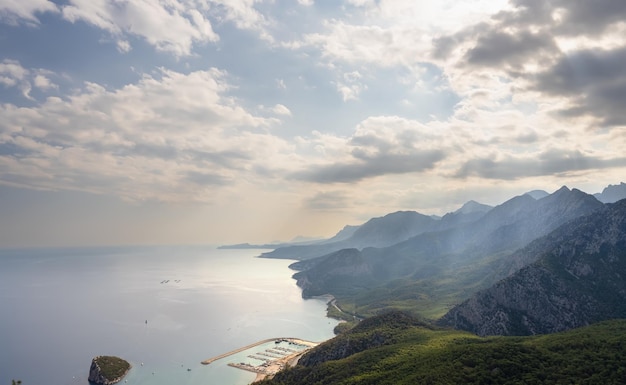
(163, 309)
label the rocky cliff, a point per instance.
(579, 277)
(107, 370)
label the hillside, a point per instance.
(578, 278)
(394, 349)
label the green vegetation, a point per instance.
(427, 298)
(112, 367)
(393, 349)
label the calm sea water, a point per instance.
(61, 307)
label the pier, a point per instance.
(295, 341)
(278, 357)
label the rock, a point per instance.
(107, 370)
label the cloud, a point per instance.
(366, 44)
(379, 146)
(350, 86)
(497, 48)
(134, 142)
(186, 25)
(24, 11)
(328, 201)
(369, 167)
(593, 80)
(280, 109)
(12, 74)
(189, 22)
(244, 15)
(566, 17)
(548, 163)
(564, 58)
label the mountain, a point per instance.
(395, 349)
(578, 278)
(377, 232)
(473, 207)
(382, 232)
(343, 234)
(612, 193)
(432, 270)
(537, 194)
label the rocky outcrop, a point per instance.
(107, 370)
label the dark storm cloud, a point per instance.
(589, 17)
(371, 166)
(497, 48)
(444, 45)
(574, 17)
(592, 81)
(595, 81)
(584, 70)
(549, 163)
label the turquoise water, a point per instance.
(61, 307)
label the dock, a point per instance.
(295, 341)
(210, 360)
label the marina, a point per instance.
(272, 359)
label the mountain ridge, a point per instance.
(417, 272)
(577, 278)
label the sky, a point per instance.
(225, 121)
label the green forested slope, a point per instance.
(383, 351)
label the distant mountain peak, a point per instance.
(563, 189)
(473, 207)
(537, 194)
(612, 193)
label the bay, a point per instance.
(164, 309)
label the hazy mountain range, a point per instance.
(411, 261)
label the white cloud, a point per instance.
(123, 46)
(350, 86)
(306, 3)
(15, 11)
(42, 82)
(12, 74)
(171, 26)
(280, 109)
(136, 142)
(244, 15)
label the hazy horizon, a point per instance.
(213, 122)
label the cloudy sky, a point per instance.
(222, 121)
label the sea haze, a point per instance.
(61, 307)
